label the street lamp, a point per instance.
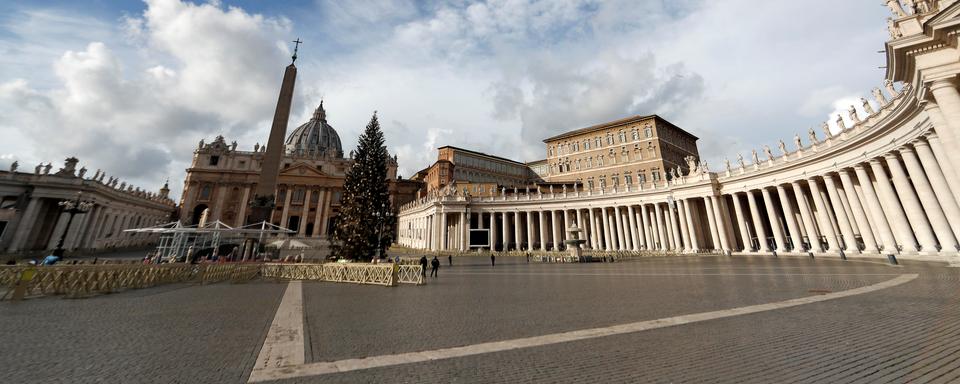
(382, 215)
(71, 207)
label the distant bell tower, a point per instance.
(263, 202)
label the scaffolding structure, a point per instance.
(179, 242)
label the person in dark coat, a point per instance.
(450, 260)
(435, 263)
(423, 266)
(493, 260)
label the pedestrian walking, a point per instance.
(423, 266)
(435, 263)
(493, 260)
(450, 260)
(528, 257)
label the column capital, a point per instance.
(905, 149)
(890, 156)
(874, 161)
(942, 83)
(812, 179)
(920, 143)
(859, 167)
(931, 135)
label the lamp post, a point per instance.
(382, 215)
(71, 207)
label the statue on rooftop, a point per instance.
(895, 8)
(13, 166)
(852, 111)
(768, 152)
(866, 106)
(740, 160)
(878, 96)
(797, 142)
(755, 158)
(233, 146)
(83, 171)
(46, 168)
(201, 144)
(782, 146)
(888, 84)
(893, 29)
(726, 163)
(840, 123)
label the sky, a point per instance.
(131, 87)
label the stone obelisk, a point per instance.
(263, 203)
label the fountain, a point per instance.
(573, 243)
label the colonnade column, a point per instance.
(493, 231)
(721, 223)
(674, 227)
(761, 232)
(806, 215)
(951, 173)
(893, 209)
(684, 229)
(647, 233)
(661, 234)
(632, 223)
(859, 215)
(879, 219)
(742, 223)
(911, 205)
(774, 218)
(849, 240)
(790, 218)
(948, 99)
(619, 224)
(506, 231)
(443, 231)
(464, 231)
(939, 184)
(517, 235)
(691, 228)
(593, 229)
(529, 230)
(928, 199)
(823, 213)
(608, 244)
(543, 231)
(708, 206)
(583, 228)
(556, 230)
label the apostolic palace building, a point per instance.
(884, 181)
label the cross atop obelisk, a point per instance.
(296, 46)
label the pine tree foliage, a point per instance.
(365, 202)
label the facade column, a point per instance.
(774, 218)
(302, 228)
(674, 227)
(711, 222)
(286, 207)
(849, 240)
(823, 213)
(555, 226)
(878, 218)
(859, 215)
(939, 185)
(691, 228)
(28, 221)
(742, 223)
(638, 222)
(661, 229)
(608, 244)
(316, 215)
(893, 209)
(325, 216)
(795, 237)
(621, 241)
(911, 204)
(244, 202)
(632, 223)
(758, 223)
(806, 215)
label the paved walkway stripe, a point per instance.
(314, 369)
(654, 274)
(283, 346)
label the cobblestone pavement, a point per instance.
(169, 334)
(213, 333)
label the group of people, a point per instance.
(434, 266)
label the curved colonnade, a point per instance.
(888, 184)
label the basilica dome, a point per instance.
(315, 136)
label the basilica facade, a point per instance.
(222, 179)
(883, 181)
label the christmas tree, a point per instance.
(364, 223)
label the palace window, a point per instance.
(598, 142)
(648, 132)
(586, 145)
(641, 177)
(628, 179)
(600, 161)
(616, 180)
(636, 135)
(655, 174)
(214, 160)
(590, 162)
(590, 183)
(298, 195)
(609, 139)
(578, 164)
(603, 181)
(623, 137)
